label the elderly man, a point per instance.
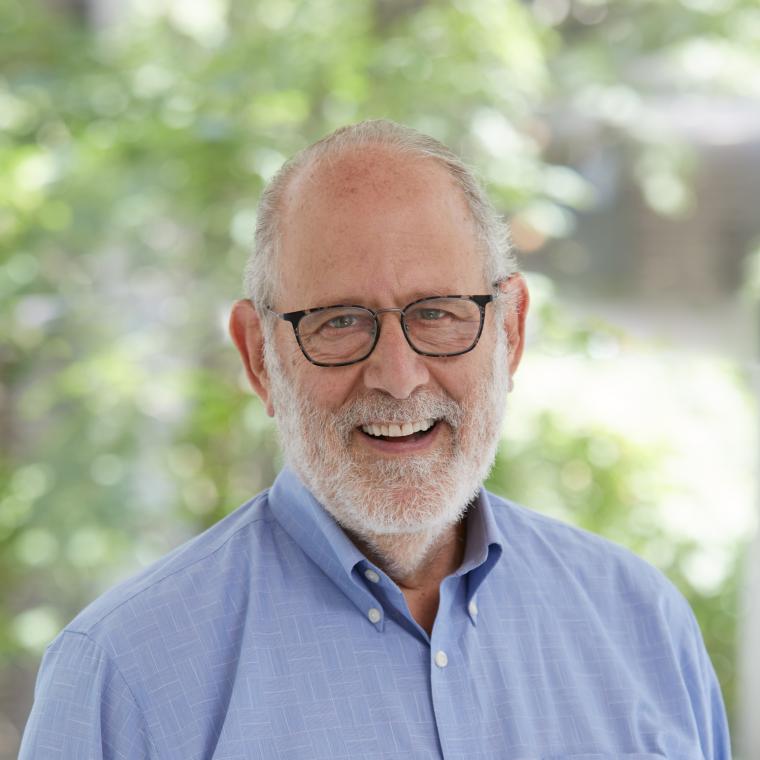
(376, 601)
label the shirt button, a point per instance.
(371, 575)
(374, 615)
(473, 608)
(441, 658)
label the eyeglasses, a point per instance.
(335, 336)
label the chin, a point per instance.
(417, 507)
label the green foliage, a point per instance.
(132, 157)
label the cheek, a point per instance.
(458, 378)
(329, 388)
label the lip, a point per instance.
(418, 446)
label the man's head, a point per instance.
(379, 216)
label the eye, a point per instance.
(430, 315)
(342, 322)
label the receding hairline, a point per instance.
(361, 162)
(390, 138)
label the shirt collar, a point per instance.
(483, 535)
(484, 545)
(321, 538)
(311, 526)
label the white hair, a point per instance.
(492, 231)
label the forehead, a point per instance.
(371, 223)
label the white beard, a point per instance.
(398, 506)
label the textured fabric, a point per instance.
(271, 636)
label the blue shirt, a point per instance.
(271, 636)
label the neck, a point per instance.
(418, 563)
(416, 560)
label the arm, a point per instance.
(707, 702)
(83, 707)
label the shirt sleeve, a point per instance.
(83, 707)
(704, 690)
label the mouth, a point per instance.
(399, 432)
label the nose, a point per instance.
(394, 367)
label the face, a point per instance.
(370, 230)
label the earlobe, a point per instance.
(516, 293)
(248, 336)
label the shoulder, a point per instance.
(573, 577)
(212, 566)
(597, 601)
(169, 630)
(563, 553)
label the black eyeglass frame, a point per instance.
(294, 317)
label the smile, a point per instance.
(395, 429)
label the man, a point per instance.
(376, 602)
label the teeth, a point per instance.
(396, 430)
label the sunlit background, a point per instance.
(621, 138)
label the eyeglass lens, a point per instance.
(440, 326)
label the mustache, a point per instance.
(376, 407)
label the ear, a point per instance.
(516, 295)
(248, 336)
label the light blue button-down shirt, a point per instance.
(272, 636)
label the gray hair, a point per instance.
(492, 231)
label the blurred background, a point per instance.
(620, 137)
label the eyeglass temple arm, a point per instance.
(289, 316)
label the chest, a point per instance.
(519, 683)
